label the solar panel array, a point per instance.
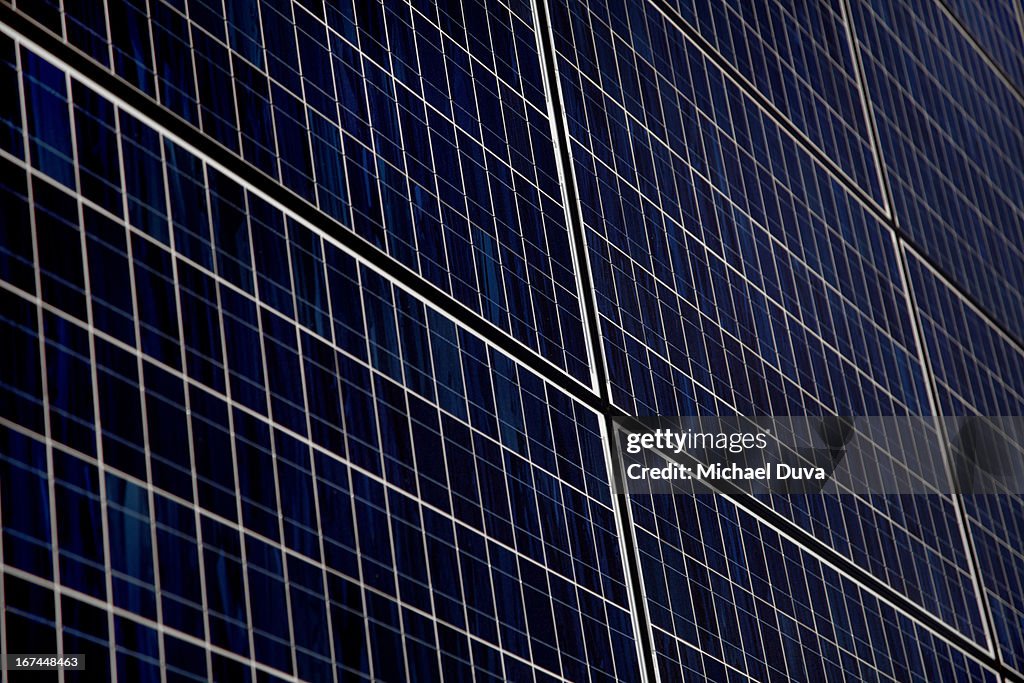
(315, 315)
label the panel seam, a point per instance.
(548, 55)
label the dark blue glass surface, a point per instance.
(314, 315)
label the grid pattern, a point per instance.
(978, 371)
(265, 457)
(732, 599)
(424, 130)
(997, 28)
(232, 448)
(713, 207)
(798, 55)
(748, 288)
(952, 135)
